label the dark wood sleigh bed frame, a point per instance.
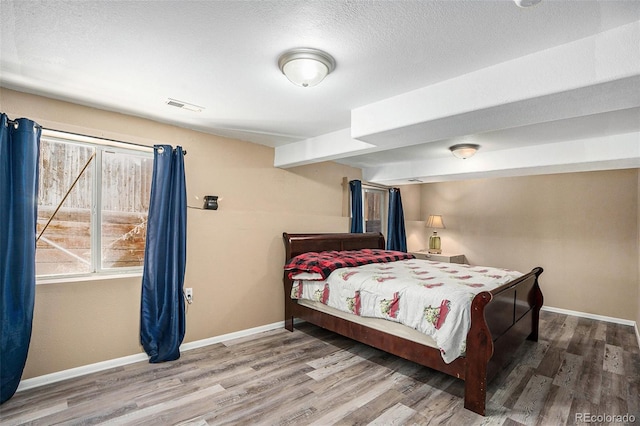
(501, 320)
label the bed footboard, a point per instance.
(512, 317)
(501, 320)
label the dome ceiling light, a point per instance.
(464, 150)
(526, 3)
(306, 67)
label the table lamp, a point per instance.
(435, 221)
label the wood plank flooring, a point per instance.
(315, 377)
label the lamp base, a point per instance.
(435, 246)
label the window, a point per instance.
(93, 202)
(373, 208)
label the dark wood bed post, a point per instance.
(478, 337)
(536, 303)
(288, 308)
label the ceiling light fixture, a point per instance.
(526, 3)
(306, 67)
(464, 150)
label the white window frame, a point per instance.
(100, 145)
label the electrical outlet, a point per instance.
(188, 294)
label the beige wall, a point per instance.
(234, 255)
(582, 228)
(414, 223)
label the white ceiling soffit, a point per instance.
(588, 78)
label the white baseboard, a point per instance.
(595, 317)
(589, 316)
(118, 362)
(231, 336)
(79, 371)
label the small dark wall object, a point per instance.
(210, 202)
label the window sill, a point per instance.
(80, 278)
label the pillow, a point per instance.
(307, 276)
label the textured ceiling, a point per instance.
(131, 56)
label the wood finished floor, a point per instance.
(312, 376)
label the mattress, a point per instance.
(379, 324)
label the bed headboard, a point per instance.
(296, 244)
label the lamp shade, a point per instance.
(306, 67)
(434, 221)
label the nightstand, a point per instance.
(443, 257)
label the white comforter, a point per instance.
(431, 297)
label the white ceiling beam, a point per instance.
(330, 146)
(593, 75)
(601, 153)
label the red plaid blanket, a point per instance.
(326, 262)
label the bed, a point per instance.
(501, 319)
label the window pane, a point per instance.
(373, 200)
(65, 245)
(126, 186)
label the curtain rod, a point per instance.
(345, 181)
(14, 122)
(376, 185)
(106, 139)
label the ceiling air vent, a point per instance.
(184, 105)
